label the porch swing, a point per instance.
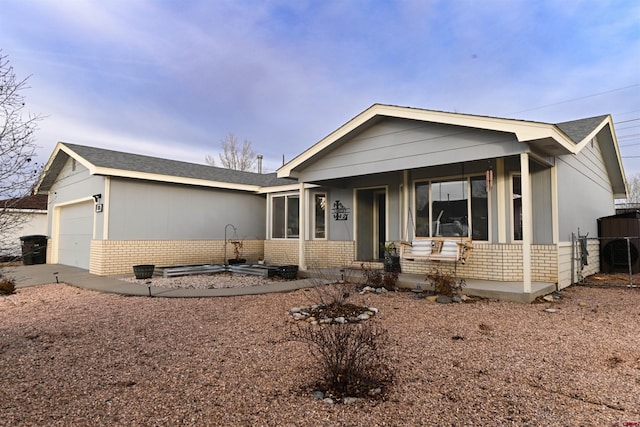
(437, 248)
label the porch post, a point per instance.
(527, 223)
(502, 195)
(302, 227)
(405, 202)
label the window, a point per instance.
(479, 208)
(449, 209)
(320, 215)
(284, 217)
(443, 208)
(422, 209)
(516, 191)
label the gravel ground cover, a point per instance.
(74, 357)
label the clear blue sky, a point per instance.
(171, 78)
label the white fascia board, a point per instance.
(47, 165)
(285, 188)
(171, 179)
(524, 130)
(286, 170)
(84, 162)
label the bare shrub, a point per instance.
(444, 283)
(7, 284)
(376, 278)
(352, 358)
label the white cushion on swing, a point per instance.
(449, 249)
(421, 247)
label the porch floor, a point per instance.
(504, 291)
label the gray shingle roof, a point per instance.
(577, 130)
(138, 163)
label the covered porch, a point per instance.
(493, 289)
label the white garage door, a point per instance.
(76, 232)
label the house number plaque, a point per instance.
(340, 213)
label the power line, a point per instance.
(577, 99)
(626, 121)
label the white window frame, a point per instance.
(512, 229)
(326, 215)
(285, 196)
(430, 183)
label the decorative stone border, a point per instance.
(315, 316)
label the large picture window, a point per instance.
(443, 208)
(449, 209)
(285, 217)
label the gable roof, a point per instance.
(105, 162)
(580, 129)
(548, 138)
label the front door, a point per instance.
(371, 223)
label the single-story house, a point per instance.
(25, 216)
(513, 191)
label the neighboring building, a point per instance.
(517, 189)
(25, 216)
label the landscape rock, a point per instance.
(317, 394)
(442, 299)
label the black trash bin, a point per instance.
(34, 249)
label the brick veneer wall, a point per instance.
(327, 253)
(281, 252)
(110, 257)
(501, 262)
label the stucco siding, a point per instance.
(398, 144)
(141, 210)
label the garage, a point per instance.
(75, 234)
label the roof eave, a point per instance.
(121, 173)
(525, 131)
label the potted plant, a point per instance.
(391, 258)
(237, 250)
(143, 271)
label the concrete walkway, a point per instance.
(40, 274)
(32, 275)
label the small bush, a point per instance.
(333, 294)
(377, 279)
(444, 283)
(7, 285)
(352, 358)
